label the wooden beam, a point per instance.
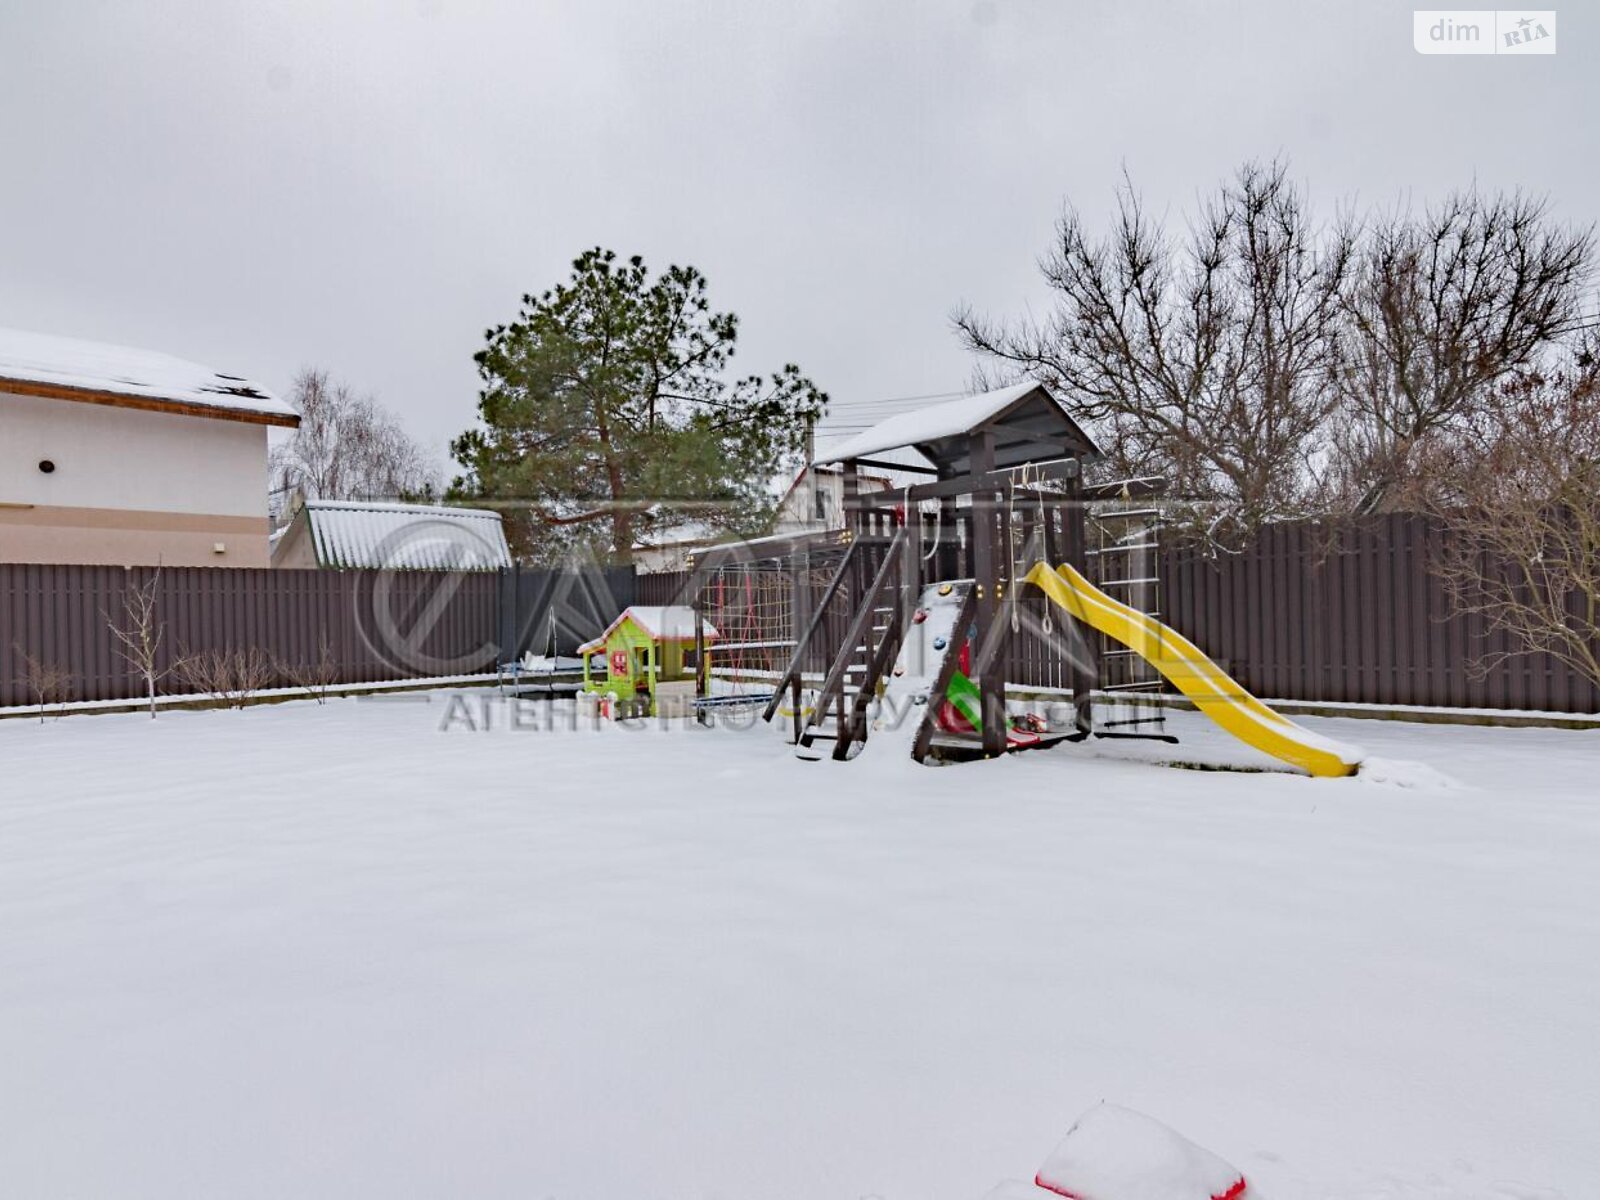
(889, 466)
(849, 489)
(1084, 676)
(986, 571)
(1144, 488)
(185, 408)
(990, 481)
(765, 549)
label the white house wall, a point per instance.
(129, 486)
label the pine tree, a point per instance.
(608, 416)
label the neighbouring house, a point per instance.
(812, 503)
(129, 457)
(673, 551)
(360, 534)
(815, 499)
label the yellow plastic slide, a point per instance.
(1212, 689)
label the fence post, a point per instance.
(505, 614)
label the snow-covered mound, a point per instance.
(1114, 1153)
(1406, 773)
(1013, 1189)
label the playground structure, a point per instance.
(924, 594)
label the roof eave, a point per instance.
(1095, 452)
(928, 447)
(187, 408)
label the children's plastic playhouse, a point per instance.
(650, 661)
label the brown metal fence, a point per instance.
(1303, 613)
(664, 587)
(375, 625)
(1355, 614)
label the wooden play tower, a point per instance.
(923, 610)
(1002, 485)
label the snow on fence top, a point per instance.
(358, 534)
(72, 369)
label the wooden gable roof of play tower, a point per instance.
(1027, 425)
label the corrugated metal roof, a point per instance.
(406, 537)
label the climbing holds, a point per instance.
(920, 616)
(940, 643)
(946, 588)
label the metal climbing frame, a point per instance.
(758, 595)
(1125, 563)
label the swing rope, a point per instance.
(938, 520)
(1047, 624)
(1024, 477)
(1011, 524)
(938, 532)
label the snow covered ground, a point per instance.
(335, 952)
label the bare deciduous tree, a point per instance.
(1270, 365)
(230, 677)
(139, 634)
(46, 681)
(1519, 496)
(1440, 310)
(318, 677)
(1204, 359)
(348, 447)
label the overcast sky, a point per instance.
(366, 187)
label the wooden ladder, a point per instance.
(866, 654)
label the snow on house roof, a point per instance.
(1041, 424)
(692, 533)
(663, 622)
(405, 537)
(882, 478)
(98, 373)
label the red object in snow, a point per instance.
(1115, 1153)
(950, 719)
